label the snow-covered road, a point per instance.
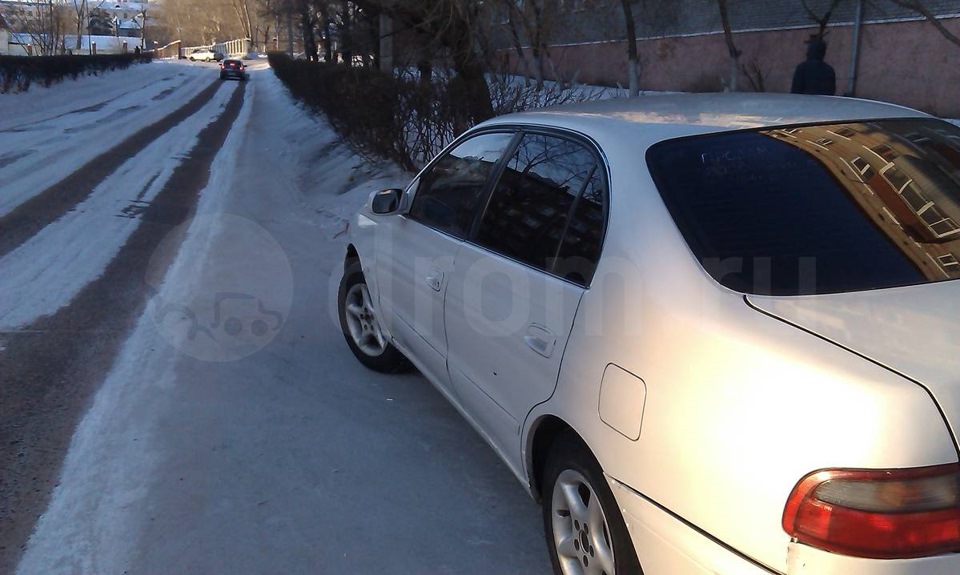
(45, 138)
(98, 226)
(232, 431)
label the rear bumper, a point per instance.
(805, 560)
(667, 546)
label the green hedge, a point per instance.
(17, 73)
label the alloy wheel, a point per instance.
(580, 530)
(362, 322)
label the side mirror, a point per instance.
(386, 201)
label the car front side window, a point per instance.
(452, 189)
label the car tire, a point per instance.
(580, 539)
(192, 59)
(361, 327)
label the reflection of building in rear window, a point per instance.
(946, 227)
(950, 154)
(949, 262)
(896, 178)
(790, 219)
(914, 198)
(917, 138)
(823, 142)
(843, 131)
(885, 152)
(863, 168)
(932, 193)
(946, 134)
(941, 225)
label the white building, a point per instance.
(130, 22)
(4, 37)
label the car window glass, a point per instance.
(451, 190)
(580, 248)
(532, 201)
(777, 212)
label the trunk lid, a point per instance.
(913, 330)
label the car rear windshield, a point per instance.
(818, 209)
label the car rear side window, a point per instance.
(451, 190)
(778, 212)
(543, 208)
(580, 248)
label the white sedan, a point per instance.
(203, 55)
(711, 334)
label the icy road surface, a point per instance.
(175, 393)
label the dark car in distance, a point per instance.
(233, 68)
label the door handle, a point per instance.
(435, 279)
(540, 340)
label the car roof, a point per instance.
(676, 115)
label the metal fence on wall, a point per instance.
(239, 47)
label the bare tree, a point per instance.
(538, 26)
(756, 75)
(731, 47)
(657, 16)
(451, 27)
(359, 27)
(512, 13)
(821, 20)
(326, 14)
(308, 23)
(46, 24)
(242, 9)
(200, 22)
(272, 12)
(633, 68)
(80, 10)
(920, 7)
(534, 23)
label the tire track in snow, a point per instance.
(7, 159)
(86, 110)
(60, 360)
(31, 216)
(116, 115)
(71, 252)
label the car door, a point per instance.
(416, 252)
(517, 282)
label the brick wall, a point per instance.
(908, 63)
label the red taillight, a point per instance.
(878, 513)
